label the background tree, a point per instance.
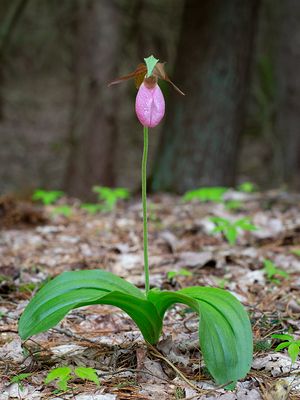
(200, 141)
(13, 12)
(288, 80)
(93, 129)
(61, 127)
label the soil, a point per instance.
(36, 243)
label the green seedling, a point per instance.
(62, 375)
(262, 345)
(289, 342)
(246, 187)
(206, 194)
(233, 205)
(87, 374)
(19, 379)
(47, 197)
(109, 197)
(27, 287)
(231, 229)
(272, 272)
(225, 334)
(179, 393)
(91, 208)
(64, 210)
(181, 272)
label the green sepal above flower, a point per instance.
(150, 62)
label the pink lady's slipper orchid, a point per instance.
(149, 104)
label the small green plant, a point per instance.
(64, 374)
(205, 194)
(231, 229)
(87, 374)
(47, 197)
(91, 208)
(289, 342)
(108, 197)
(28, 287)
(179, 393)
(262, 345)
(225, 335)
(233, 204)
(246, 187)
(19, 379)
(181, 272)
(64, 210)
(272, 272)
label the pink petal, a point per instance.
(150, 105)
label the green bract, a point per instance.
(150, 64)
(224, 328)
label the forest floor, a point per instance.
(36, 244)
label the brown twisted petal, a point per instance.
(140, 73)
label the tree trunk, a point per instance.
(93, 124)
(15, 12)
(200, 140)
(288, 115)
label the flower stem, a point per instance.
(144, 199)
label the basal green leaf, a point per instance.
(81, 288)
(224, 329)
